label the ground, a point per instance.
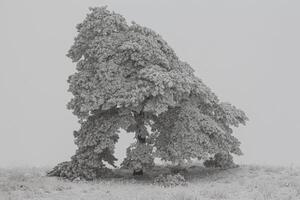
(247, 182)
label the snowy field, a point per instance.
(249, 182)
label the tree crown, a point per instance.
(129, 77)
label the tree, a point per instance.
(129, 78)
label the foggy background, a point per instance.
(247, 52)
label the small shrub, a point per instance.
(170, 180)
(75, 171)
(178, 170)
(220, 160)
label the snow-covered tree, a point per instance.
(129, 78)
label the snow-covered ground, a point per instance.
(249, 182)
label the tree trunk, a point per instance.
(141, 133)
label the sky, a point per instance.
(247, 52)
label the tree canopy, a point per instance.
(127, 77)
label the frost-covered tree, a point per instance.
(129, 78)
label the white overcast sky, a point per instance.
(248, 52)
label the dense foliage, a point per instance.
(129, 78)
(220, 160)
